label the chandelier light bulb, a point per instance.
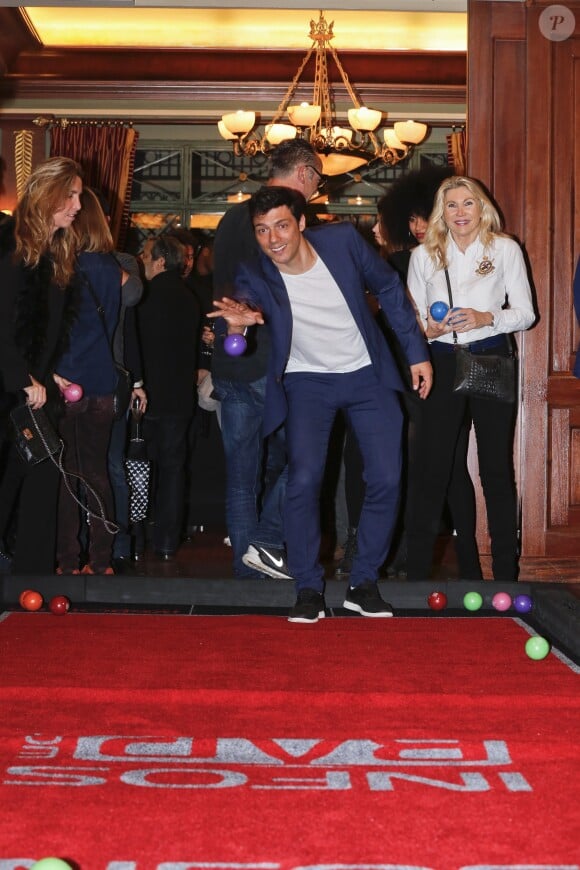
(364, 119)
(304, 115)
(410, 131)
(392, 140)
(239, 123)
(276, 133)
(224, 132)
(337, 133)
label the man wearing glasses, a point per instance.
(255, 468)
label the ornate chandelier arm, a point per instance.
(293, 85)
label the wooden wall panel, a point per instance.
(523, 143)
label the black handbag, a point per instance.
(34, 435)
(483, 375)
(124, 387)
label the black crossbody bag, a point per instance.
(483, 375)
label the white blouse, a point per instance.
(493, 280)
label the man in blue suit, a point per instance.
(328, 354)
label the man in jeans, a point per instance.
(255, 469)
(329, 355)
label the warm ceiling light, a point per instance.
(341, 149)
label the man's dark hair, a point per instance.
(183, 235)
(290, 154)
(171, 249)
(201, 239)
(271, 196)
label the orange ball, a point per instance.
(22, 594)
(32, 600)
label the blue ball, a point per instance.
(522, 603)
(235, 344)
(438, 310)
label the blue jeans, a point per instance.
(374, 415)
(255, 471)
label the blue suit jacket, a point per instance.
(577, 309)
(356, 267)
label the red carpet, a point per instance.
(134, 742)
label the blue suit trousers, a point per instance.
(376, 418)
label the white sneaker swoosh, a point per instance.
(278, 563)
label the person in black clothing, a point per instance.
(169, 326)
(37, 258)
(240, 385)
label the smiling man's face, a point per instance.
(279, 235)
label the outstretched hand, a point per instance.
(238, 315)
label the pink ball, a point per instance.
(73, 392)
(501, 601)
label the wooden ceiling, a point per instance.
(31, 71)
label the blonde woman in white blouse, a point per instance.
(491, 299)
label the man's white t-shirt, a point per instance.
(325, 337)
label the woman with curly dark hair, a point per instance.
(37, 261)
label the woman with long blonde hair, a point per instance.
(37, 260)
(466, 262)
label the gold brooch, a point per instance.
(485, 267)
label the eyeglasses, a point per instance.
(322, 179)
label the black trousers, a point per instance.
(32, 491)
(437, 440)
(166, 438)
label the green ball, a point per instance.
(50, 864)
(472, 600)
(537, 648)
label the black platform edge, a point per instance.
(230, 593)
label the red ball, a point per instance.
(59, 604)
(21, 596)
(32, 600)
(437, 601)
(73, 393)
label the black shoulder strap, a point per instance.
(450, 300)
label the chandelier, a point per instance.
(341, 149)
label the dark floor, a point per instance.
(206, 555)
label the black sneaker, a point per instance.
(309, 607)
(366, 600)
(268, 561)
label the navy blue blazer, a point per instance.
(356, 267)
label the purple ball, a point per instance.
(523, 603)
(235, 344)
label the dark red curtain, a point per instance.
(106, 152)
